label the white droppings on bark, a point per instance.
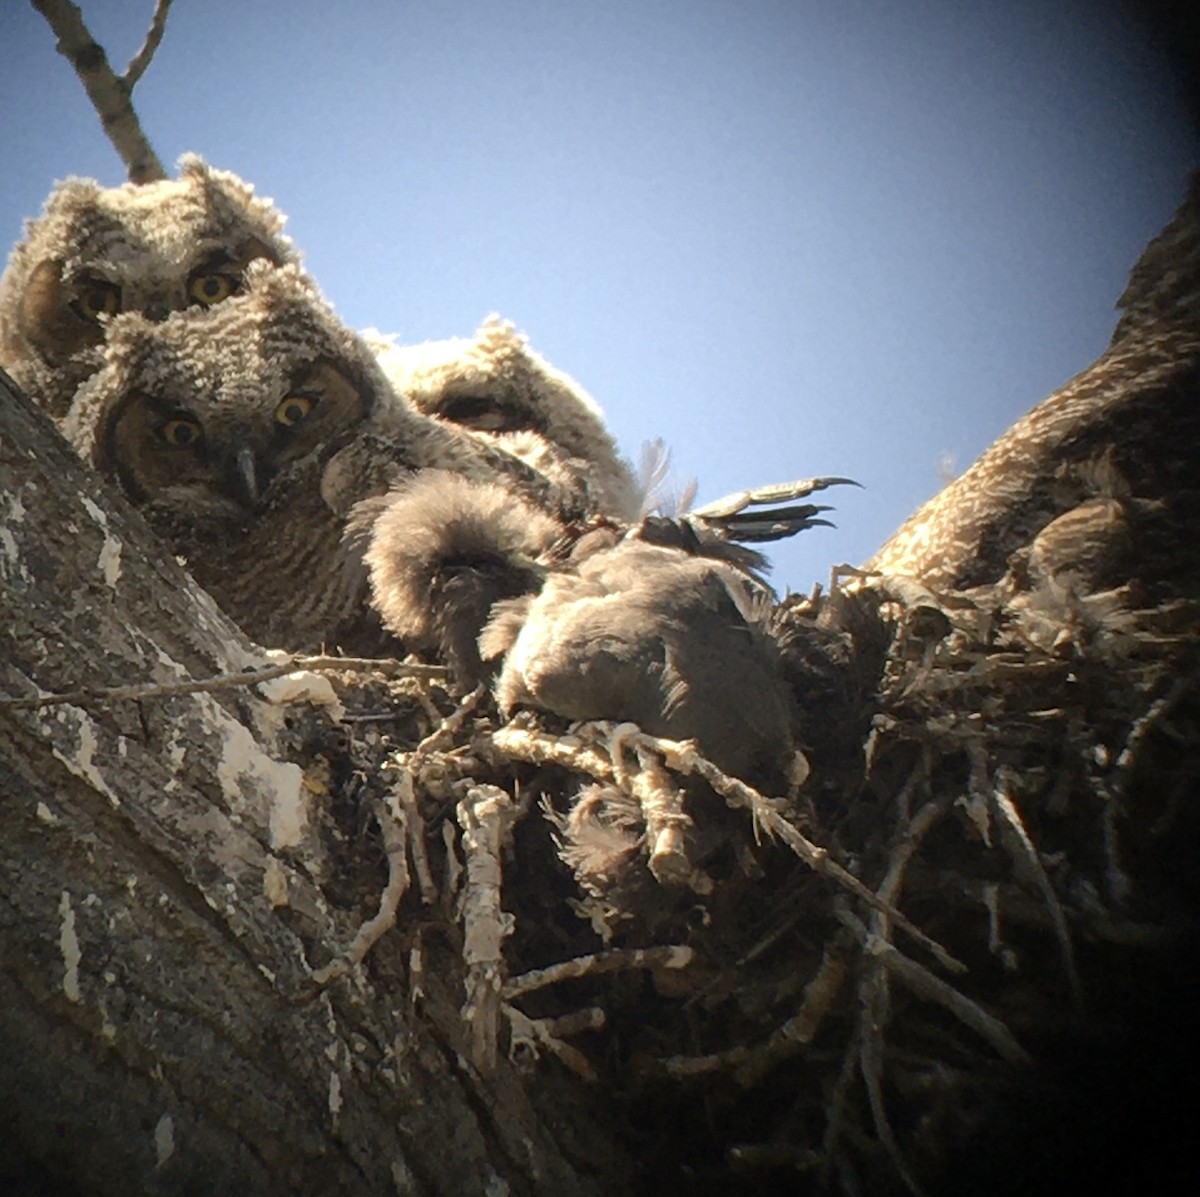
(16, 509)
(335, 1096)
(164, 1139)
(303, 686)
(45, 814)
(8, 542)
(109, 562)
(168, 661)
(12, 511)
(174, 753)
(495, 1185)
(244, 764)
(68, 943)
(108, 1029)
(83, 761)
(402, 1178)
(275, 886)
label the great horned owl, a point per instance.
(498, 388)
(588, 623)
(98, 251)
(245, 432)
(675, 642)
(1129, 420)
(443, 550)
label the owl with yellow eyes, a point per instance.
(96, 252)
(246, 431)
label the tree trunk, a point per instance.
(163, 871)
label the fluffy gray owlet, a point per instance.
(98, 251)
(613, 628)
(495, 386)
(245, 432)
(676, 643)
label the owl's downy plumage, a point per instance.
(96, 252)
(442, 550)
(1164, 284)
(498, 388)
(245, 432)
(592, 623)
(674, 642)
(1112, 445)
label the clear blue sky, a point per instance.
(789, 237)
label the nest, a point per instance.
(868, 984)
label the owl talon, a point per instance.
(730, 517)
(761, 496)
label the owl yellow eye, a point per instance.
(293, 409)
(181, 433)
(207, 289)
(98, 298)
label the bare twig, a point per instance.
(924, 984)
(410, 768)
(445, 731)
(224, 681)
(525, 744)
(873, 1016)
(1154, 715)
(532, 1034)
(485, 816)
(1025, 855)
(750, 1063)
(110, 95)
(599, 962)
(682, 756)
(137, 65)
(392, 822)
(406, 800)
(838, 1106)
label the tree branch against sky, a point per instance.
(110, 94)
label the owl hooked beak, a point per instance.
(157, 307)
(243, 480)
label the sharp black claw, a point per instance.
(762, 496)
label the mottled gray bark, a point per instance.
(163, 904)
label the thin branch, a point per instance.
(682, 755)
(407, 801)
(485, 815)
(530, 1035)
(224, 681)
(749, 1064)
(141, 60)
(873, 1015)
(393, 824)
(924, 984)
(668, 956)
(109, 94)
(524, 744)
(1025, 856)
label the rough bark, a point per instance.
(163, 911)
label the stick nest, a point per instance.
(841, 988)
